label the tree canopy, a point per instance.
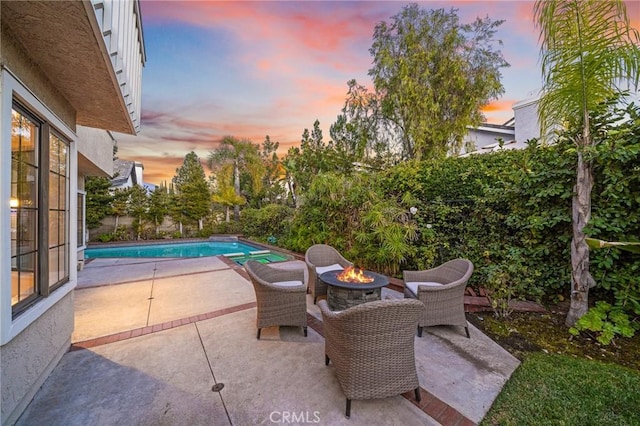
(433, 74)
(229, 161)
(192, 197)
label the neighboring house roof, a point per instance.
(495, 128)
(149, 187)
(122, 171)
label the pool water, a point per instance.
(237, 251)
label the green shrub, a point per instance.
(105, 238)
(272, 220)
(606, 321)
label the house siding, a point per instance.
(28, 359)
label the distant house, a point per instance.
(70, 72)
(487, 137)
(511, 135)
(127, 174)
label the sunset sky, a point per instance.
(250, 69)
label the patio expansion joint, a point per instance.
(141, 331)
(85, 287)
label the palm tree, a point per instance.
(587, 50)
(241, 156)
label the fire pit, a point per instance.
(352, 287)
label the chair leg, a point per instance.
(467, 330)
(417, 392)
(326, 359)
(348, 412)
(258, 336)
(304, 329)
(419, 331)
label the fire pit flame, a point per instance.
(354, 275)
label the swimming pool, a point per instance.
(236, 251)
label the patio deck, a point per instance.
(153, 336)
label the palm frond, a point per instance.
(587, 48)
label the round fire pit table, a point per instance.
(342, 295)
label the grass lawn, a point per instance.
(564, 390)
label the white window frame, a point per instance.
(84, 220)
(12, 89)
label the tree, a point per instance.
(137, 206)
(359, 133)
(158, 206)
(232, 158)
(587, 49)
(98, 202)
(290, 165)
(119, 205)
(433, 75)
(273, 171)
(313, 157)
(192, 197)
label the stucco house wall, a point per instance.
(28, 357)
(526, 117)
(95, 151)
(56, 65)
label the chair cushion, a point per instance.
(413, 285)
(288, 283)
(323, 269)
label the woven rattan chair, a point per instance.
(322, 258)
(371, 346)
(280, 296)
(441, 289)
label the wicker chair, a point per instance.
(322, 258)
(280, 296)
(371, 346)
(441, 289)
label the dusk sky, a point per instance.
(251, 69)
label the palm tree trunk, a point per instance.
(581, 279)
(292, 191)
(236, 186)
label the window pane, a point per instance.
(54, 265)
(24, 186)
(54, 228)
(23, 283)
(24, 137)
(58, 211)
(54, 194)
(62, 228)
(63, 190)
(27, 226)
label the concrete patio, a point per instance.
(173, 342)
